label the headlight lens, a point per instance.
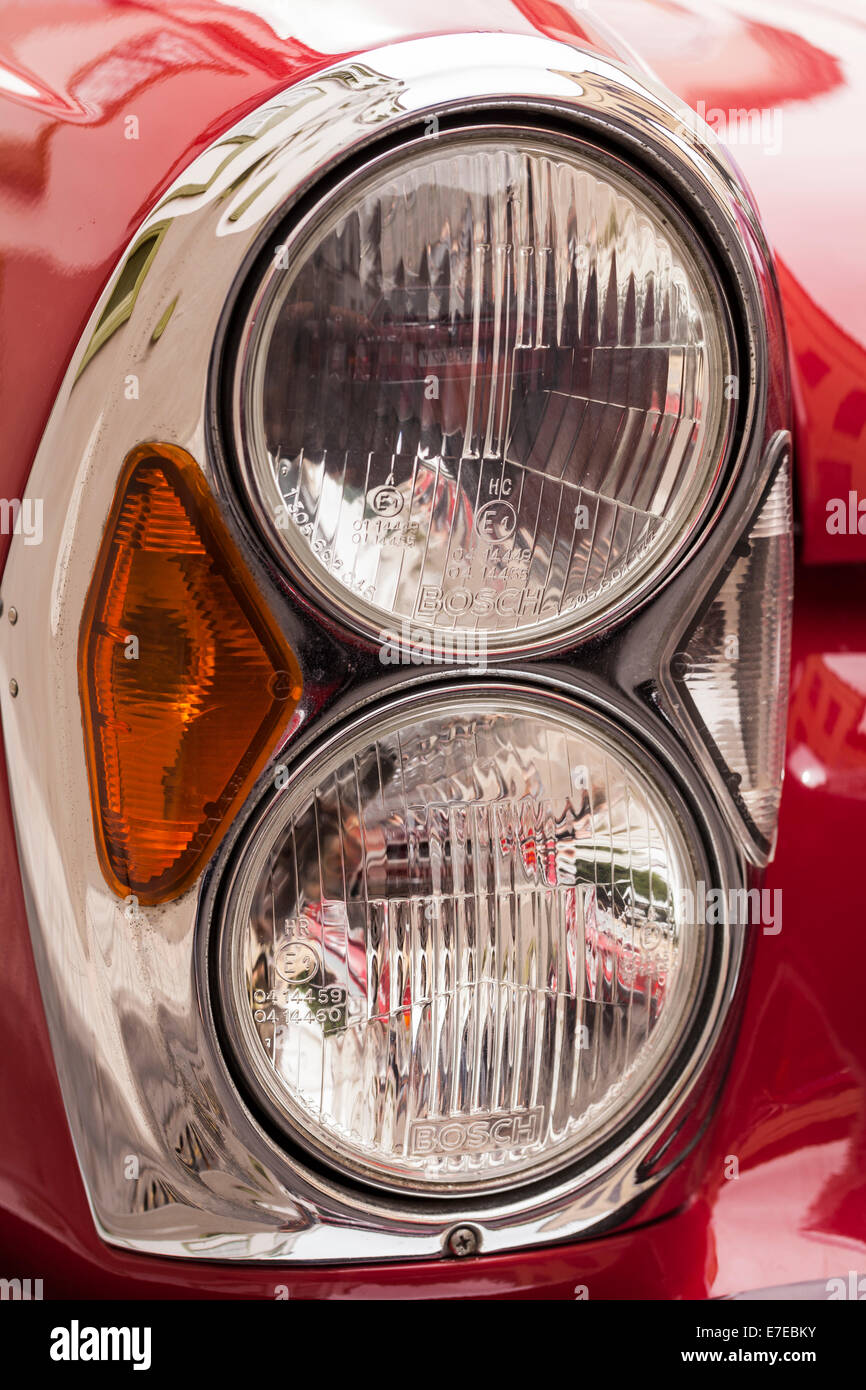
(454, 952)
(485, 389)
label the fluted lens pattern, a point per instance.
(486, 392)
(458, 953)
(736, 666)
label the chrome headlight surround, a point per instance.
(125, 989)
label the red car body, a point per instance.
(792, 1107)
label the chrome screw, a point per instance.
(13, 687)
(462, 1241)
(13, 616)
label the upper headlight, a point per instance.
(484, 389)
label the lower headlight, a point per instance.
(454, 952)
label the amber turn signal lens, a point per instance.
(185, 681)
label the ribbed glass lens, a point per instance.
(454, 951)
(486, 390)
(735, 667)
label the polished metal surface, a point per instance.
(172, 1157)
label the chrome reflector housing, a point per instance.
(454, 953)
(485, 388)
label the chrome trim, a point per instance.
(140, 1068)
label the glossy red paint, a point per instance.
(72, 191)
(802, 65)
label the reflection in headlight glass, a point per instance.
(456, 951)
(486, 390)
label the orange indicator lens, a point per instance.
(185, 681)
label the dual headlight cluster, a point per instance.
(419, 577)
(480, 400)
